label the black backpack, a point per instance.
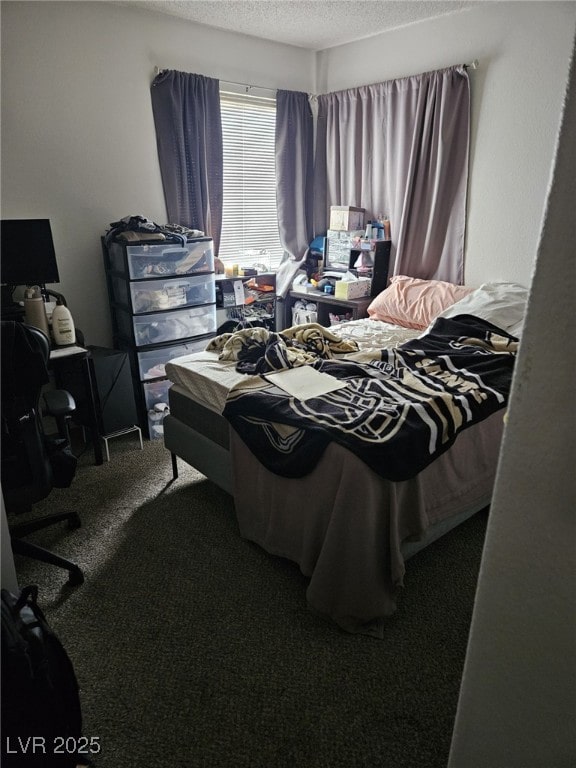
(41, 714)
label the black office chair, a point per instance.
(32, 463)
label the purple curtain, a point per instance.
(400, 148)
(186, 111)
(294, 174)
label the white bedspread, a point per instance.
(374, 334)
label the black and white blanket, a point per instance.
(397, 413)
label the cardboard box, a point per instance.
(353, 289)
(347, 218)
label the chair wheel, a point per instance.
(74, 522)
(76, 577)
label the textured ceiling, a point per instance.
(313, 24)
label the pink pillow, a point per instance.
(414, 303)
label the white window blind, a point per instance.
(249, 215)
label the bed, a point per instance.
(349, 513)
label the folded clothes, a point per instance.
(133, 237)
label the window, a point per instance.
(249, 216)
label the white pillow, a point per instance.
(501, 303)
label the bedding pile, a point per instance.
(259, 350)
(397, 414)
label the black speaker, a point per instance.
(114, 388)
(381, 266)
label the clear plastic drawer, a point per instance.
(156, 399)
(155, 295)
(156, 395)
(155, 425)
(162, 259)
(179, 324)
(151, 363)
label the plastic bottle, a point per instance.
(63, 329)
(35, 309)
(385, 222)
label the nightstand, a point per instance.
(328, 304)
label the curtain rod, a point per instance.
(248, 86)
(158, 71)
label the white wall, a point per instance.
(524, 52)
(78, 141)
(517, 704)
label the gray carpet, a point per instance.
(194, 648)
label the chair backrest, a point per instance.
(26, 466)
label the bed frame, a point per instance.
(200, 437)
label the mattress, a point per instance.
(204, 378)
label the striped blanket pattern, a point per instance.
(397, 413)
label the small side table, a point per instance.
(68, 364)
(120, 432)
(327, 303)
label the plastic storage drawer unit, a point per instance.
(162, 260)
(163, 303)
